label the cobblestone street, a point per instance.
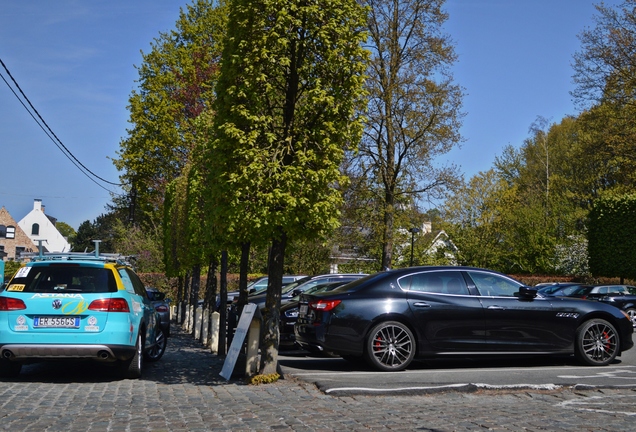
(184, 392)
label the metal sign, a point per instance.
(237, 342)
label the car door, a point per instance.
(142, 308)
(447, 316)
(514, 323)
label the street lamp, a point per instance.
(413, 231)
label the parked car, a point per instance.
(259, 286)
(295, 288)
(289, 313)
(395, 316)
(563, 289)
(78, 306)
(162, 306)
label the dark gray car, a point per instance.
(162, 306)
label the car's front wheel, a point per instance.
(156, 351)
(597, 342)
(390, 346)
(632, 315)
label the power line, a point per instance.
(49, 132)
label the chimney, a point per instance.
(37, 205)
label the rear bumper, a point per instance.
(18, 352)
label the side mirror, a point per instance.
(296, 292)
(526, 292)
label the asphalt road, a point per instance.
(337, 376)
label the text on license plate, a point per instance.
(303, 310)
(56, 322)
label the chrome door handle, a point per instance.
(421, 304)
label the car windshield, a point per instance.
(63, 278)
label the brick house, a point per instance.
(13, 240)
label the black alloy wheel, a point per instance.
(156, 351)
(390, 346)
(597, 342)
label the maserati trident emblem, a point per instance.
(57, 303)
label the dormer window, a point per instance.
(35, 229)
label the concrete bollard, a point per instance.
(198, 321)
(214, 333)
(253, 339)
(205, 327)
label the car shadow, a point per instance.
(305, 361)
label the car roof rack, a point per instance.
(84, 256)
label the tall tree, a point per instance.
(414, 107)
(289, 90)
(605, 68)
(176, 83)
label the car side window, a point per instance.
(125, 278)
(494, 285)
(138, 285)
(435, 282)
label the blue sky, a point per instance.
(74, 59)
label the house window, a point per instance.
(3, 231)
(18, 251)
(10, 232)
(35, 229)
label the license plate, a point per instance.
(56, 322)
(302, 310)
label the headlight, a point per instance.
(291, 313)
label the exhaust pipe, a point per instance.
(7, 354)
(103, 355)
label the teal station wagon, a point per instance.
(78, 306)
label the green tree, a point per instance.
(413, 108)
(176, 84)
(612, 236)
(472, 219)
(290, 86)
(66, 230)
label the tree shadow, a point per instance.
(186, 361)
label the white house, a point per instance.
(39, 226)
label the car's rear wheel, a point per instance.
(390, 346)
(156, 351)
(597, 342)
(9, 369)
(632, 315)
(132, 367)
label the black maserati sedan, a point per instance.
(392, 317)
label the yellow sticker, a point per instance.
(16, 287)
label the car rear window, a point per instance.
(63, 279)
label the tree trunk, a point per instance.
(271, 315)
(223, 306)
(387, 244)
(194, 292)
(244, 268)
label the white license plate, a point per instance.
(56, 322)
(302, 310)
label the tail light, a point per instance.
(161, 308)
(109, 305)
(10, 303)
(584, 297)
(324, 305)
